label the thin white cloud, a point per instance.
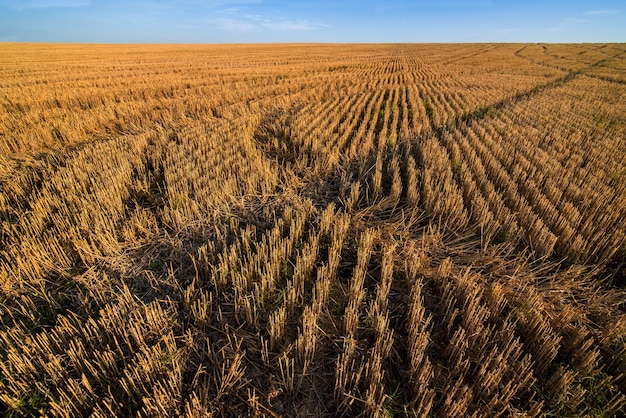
(256, 18)
(506, 31)
(233, 25)
(601, 12)
(259, 22)
(44, 4)
(574, 20)
(297, 25)
(452, 3)
(566, 24)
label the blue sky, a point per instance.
(226, 21)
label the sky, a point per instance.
(260, 21)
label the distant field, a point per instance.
(322, 230)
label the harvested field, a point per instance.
(313, 230)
